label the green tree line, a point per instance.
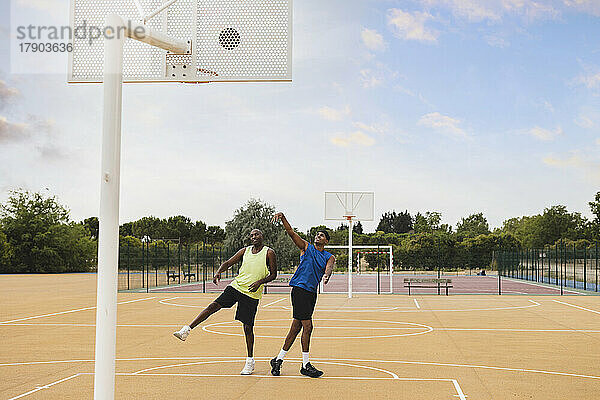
(38, 236)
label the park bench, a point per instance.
(172, 275)
(278, 282)
(188, 275)
(428, 283)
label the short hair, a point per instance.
(325, 233)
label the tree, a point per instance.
(595, 224)
(259, 215)
(126, 229)
(199, 232)
(92, 227)
(148, 226)
(177, 227)
(215, 234)
(41, 238)
(430, 222)
(472, 226)
(391, 222)
(253, 215)
(557, 223)
(357, 228)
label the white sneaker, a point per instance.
(183, 333)
(248, 368)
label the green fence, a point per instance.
(563, 265)
(164, 264)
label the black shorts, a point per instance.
(303, 303)
(246, 308)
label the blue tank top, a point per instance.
(311, 268)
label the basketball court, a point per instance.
(58, 331)
(369, 346)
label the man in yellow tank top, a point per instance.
(259, 266)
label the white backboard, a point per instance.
(341, 205)
(231, 40)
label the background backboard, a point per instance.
(231, 40)
(340, 205)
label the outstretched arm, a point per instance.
(329, 269)
(298, 241)
(272, 264)
(232, 261)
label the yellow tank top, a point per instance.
(254, 267)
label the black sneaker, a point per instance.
(311, 371)
(276, 366)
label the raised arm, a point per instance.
(232, 261)
(298, 241)
(329, 269)
(272, 264)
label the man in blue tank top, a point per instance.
(314, 263)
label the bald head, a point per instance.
(256, 237)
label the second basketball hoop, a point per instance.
(349, 206)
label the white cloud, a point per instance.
(548, 106)
(331, 114)
(585, 122)
(576, 161)
(409, 26)
(598, 141)
(6, 94)
(586, 6)
(372, 39)
(591, 81)
(357, 138)
(443, 123)
(11, 132)
(544, 134)
(373, 128)
(370, 78)
(495, 10)
(496, 41)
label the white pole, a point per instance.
(350, 259)
(391, 270)
(108, 236)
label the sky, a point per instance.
(454, 106)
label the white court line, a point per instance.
(546, 286)
(331, 327)
(426, 329)
(518, 330)
(573, 305)
(165, 302)
(321, 359)
(91, 325)
(461, 395)
(69, 311)
(143, 371)
(393, 376)
(417, 304)
(37, 389)
(183, 285)
(276, 301)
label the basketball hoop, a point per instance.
(349, 206)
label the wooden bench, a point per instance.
(172, 275)
(278, 282)
(428, 283)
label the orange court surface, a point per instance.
(467, 347)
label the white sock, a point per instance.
(304, 359)
(187, 328)
(249, 359)
(281, 354)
